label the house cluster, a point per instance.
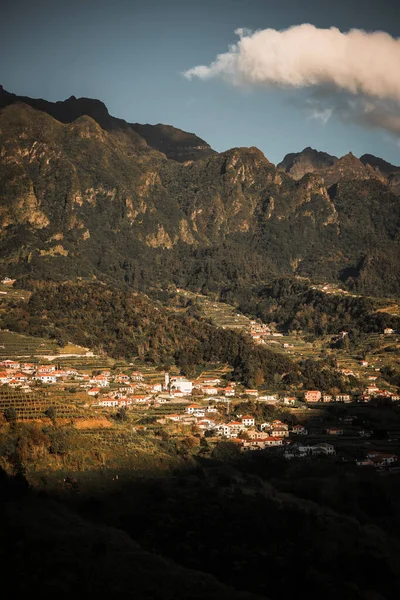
(259, 331)
(242, 430)
(24, 375)
(379, 460)
(302, 450)
(371, 391)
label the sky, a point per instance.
(133, 55)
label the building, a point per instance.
(4, 378)
(288, 400)
(108, 402)
(343, 398)
(136, 376)
(268, 398)
(279, 432)
(94, 391)
(192, 408)
(46, 378)
(100, 380)
(381, 459)
(327, 398)
(181, 384)
(209, 390)
(235, 427)
(248, 421)
(122, 378)
(228, 391)
(334, 431)
(324, 449)
(299, 430)
(312, 396)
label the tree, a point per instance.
(122, 414)
(10, 414)
(51, 413)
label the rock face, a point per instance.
(348, 167)
(385, 169)
(308, 160)
(378, 163)
(174, 143)
(127, 213)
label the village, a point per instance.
(211, 407)
(39, 379)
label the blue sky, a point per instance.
(131, 55)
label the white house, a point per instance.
(235, 427)
(248, 421)
(182, 385)
(278, 431)
(46, 378)
(199, 412)
(136, 376)
(343, 398)
(224, 430)
(229, 391)
(100, 380)
(209, 391)
(109, 402)
(268, 398)
(191, 408)
(324, 449)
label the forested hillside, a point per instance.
(83, 193)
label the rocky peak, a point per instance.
(384, 167)
(297, 164)
(348, 167)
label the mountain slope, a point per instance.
(378, 163)
(391, 172)
(77, 199)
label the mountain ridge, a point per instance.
(78, 199)
(174, 143)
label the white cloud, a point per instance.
(340, 66)
(357, 61)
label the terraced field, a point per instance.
(34, 404)
(15, 345)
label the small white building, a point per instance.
(109, 402)
(46, 378)
(209, 390)
(343, 398)
(248, 421)
(181, 384)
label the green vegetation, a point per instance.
(91, 198)
(101, 230)
(125, 325)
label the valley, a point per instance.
(199, 362)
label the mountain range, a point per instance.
(86, 194)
